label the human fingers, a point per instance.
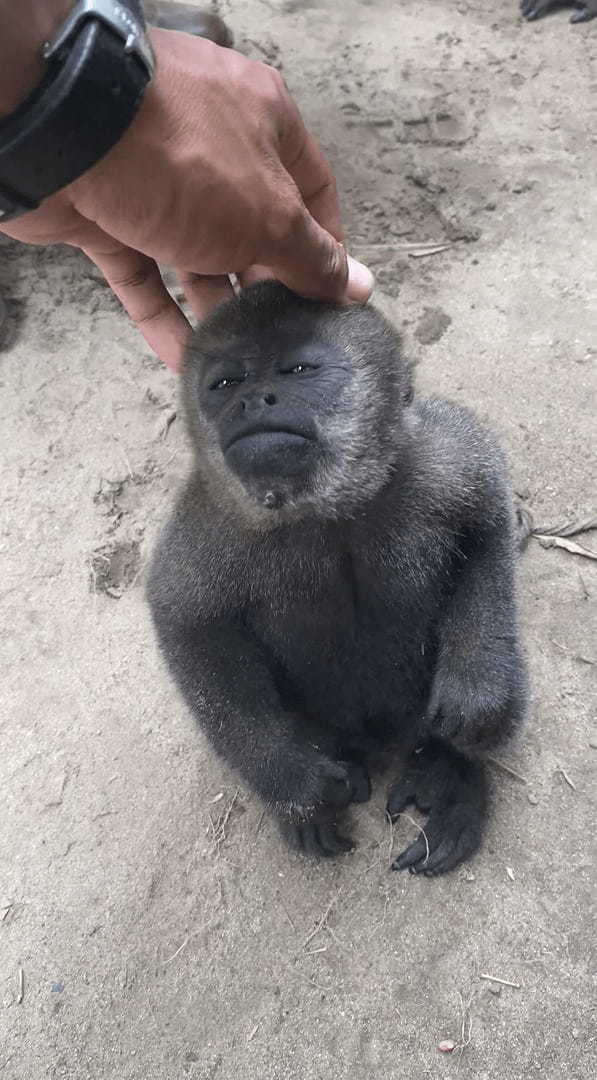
(308, 166)
(310, 171)
(138, 284)
(311, 262)
(203, 292)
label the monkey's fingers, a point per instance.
(534, 9)
(204, 293)
(318, 841)
(449, 836)
(586, 13)
(359, 782)
(138, 284)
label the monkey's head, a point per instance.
(295, 407)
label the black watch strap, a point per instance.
(97, 73)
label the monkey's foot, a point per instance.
(534, 9)
(451, 789)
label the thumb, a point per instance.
(313, 263)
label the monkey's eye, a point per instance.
(226, 381)
(300, 369)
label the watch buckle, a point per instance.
(117, 18)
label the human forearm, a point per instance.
(24, 27)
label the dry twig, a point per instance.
(502, 982)
(507, 769)
(218, 827)
(175, 954)
(322, 924)
(417, 826)
(565, 776)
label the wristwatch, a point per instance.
(99, 64)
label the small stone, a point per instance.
(593, 744)
(431, 326)
(495, 990)
(532, 799)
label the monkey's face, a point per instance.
(286, 403)
(270, 407)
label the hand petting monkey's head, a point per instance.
(295, 406)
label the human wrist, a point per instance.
(25, 27)
(99, 64)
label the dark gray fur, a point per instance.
(373, 605)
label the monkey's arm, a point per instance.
(478, 691)
(534, 9)
(228, 684)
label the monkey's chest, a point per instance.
(349, 656)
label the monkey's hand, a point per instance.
(472, 705)
(534, 9)
(310, 826)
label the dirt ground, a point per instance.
(152, 926)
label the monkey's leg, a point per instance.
(170, 15)
(227, 680)
(535, 9)
(451, 789)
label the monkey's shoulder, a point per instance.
(461, 468)
(200, 559)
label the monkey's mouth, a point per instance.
(267, 434)
(263, 454)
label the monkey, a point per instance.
(207, 24)
(170, 15)
(535, 9)
(337, 576)
(200, 22)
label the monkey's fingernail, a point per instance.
(360, 281)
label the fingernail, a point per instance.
(360, 281)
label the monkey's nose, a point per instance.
(258, 399)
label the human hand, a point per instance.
(216, 175)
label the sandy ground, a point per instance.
(161, 929)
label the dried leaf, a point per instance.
(569, 528)
(547, 541)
